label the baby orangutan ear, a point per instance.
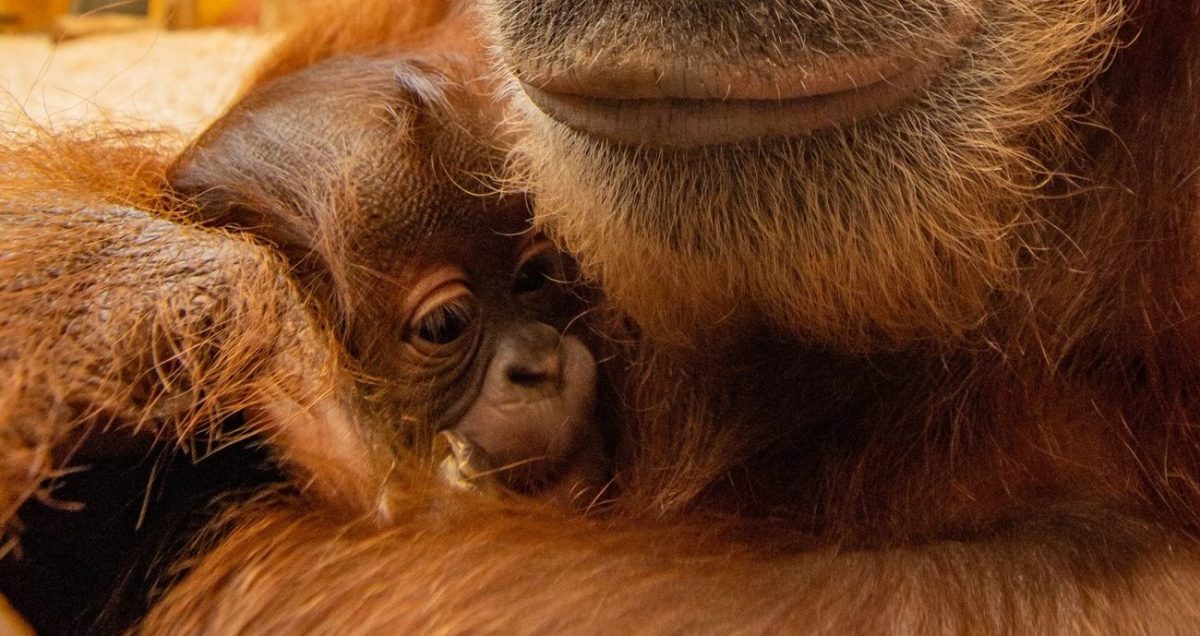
(238, 176)
(301, 154)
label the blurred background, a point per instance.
(69, 16)
(173, 64)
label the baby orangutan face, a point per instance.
(483, 357)
(372, 177)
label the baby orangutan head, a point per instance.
(370, 175)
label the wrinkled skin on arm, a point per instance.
(115, 318)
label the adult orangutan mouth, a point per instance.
(672, 104)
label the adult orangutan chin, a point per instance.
(915, 286)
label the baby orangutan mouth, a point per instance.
(677, 103)
(532, 424)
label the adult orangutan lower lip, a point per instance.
(669, 104)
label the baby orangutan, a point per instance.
(329, 278)
(369, 175)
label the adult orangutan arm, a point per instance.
(115, 319)
(463, 568)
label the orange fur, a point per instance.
(972, 412)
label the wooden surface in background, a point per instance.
(24, 16)
(31, 15)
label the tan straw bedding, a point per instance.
(180, 80)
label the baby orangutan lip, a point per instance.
(674, 104)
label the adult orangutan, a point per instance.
(914, 284)
(907, 295)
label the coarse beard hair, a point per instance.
(907, 227)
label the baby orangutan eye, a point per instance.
(539, 263)
(444, 324)
(443, 316)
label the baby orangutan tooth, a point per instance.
(464, 466)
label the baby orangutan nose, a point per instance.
(532, 429)
(531, 362)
